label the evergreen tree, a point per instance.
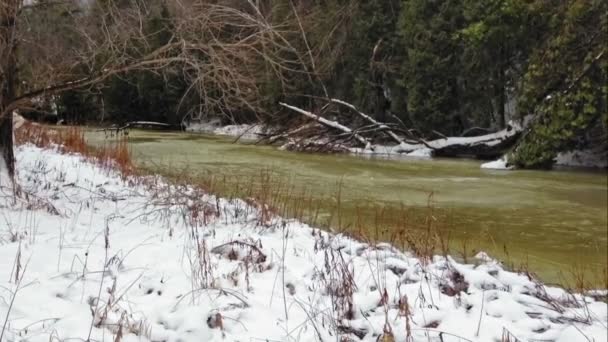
(565, 86)
(496, 43)
(431, 67)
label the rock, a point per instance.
(215, 321)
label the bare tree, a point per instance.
(222, 50)
(8, 47)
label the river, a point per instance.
(552, 222)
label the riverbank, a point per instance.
(597, 159)
(89, 252)
(552, 223)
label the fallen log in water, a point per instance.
(136, 124)
(485, 146)
(146, 124)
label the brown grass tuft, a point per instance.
(72, 140)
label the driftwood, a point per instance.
(137, 124)
(484, 146)
(276, 137)
(146, 124)
(381, 126)
(469, 131)
(332, 124)
(312, 145)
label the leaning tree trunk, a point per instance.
(6, 144)
(7, 82)
(6, 117)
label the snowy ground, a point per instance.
(86, 253)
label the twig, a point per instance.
(483, 296)
(8, 312)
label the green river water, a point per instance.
(553, 221)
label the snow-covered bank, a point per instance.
(421, 150)
(244, 131)
(184, 266)
(577, 158)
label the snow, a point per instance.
(245, 131)
(500, 164)
(160, 262)
(421, 152)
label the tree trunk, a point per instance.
(7, 82)
(6, 122)
(500, 90)
(381, 103)
(6, 144)
(490, 146)
(501, 100)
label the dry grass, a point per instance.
(416, 229)
(586, 279)
(72, 140)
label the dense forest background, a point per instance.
(452, 67)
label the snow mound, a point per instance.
(500, 164)
(88, 255)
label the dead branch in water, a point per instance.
(484, 146)
(332, 124)
(380, 126)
